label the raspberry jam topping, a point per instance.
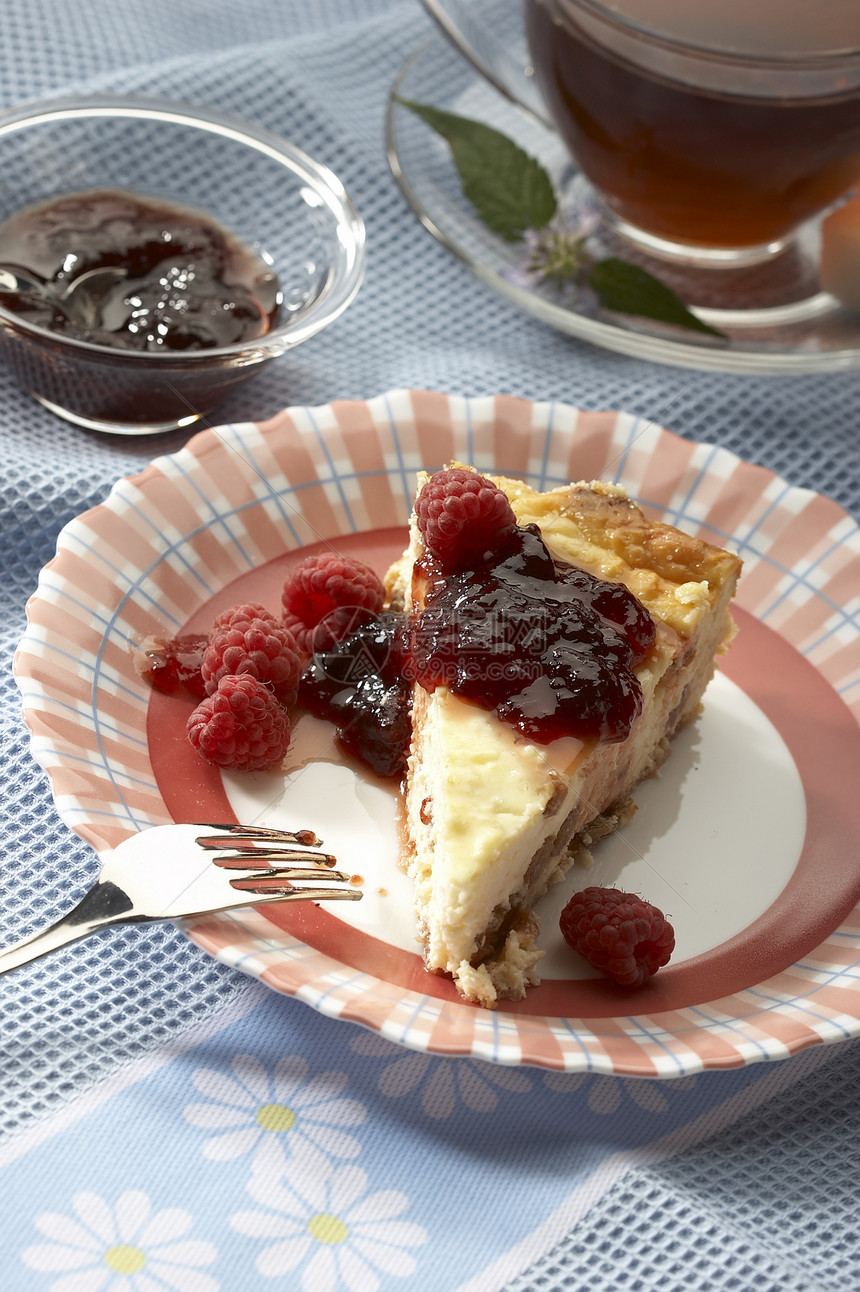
(550, 648)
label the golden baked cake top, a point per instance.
(598, 527)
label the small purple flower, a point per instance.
(556, 254)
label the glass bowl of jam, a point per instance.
(154, 255)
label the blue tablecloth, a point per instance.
(167, 1122)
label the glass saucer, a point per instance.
(774, 316)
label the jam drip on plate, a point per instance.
(362, 685)
(168, 665)
(550, 648)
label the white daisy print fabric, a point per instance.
(325, 1164)
(328, 1231)
(124, 1248)
(275, 1115)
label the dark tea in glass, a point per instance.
(713, 124)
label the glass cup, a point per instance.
(711, 132)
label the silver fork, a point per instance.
(171, 871)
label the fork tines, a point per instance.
(263, 881)
(290, 894)
(243, 841)
(253, 858)
(255, 833)
(272, 871)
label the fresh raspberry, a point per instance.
(240, 725)
(245, 610)
(463, 517)
(263, 648)
(326, 597)
(620, 934)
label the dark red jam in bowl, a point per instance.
(185, 286)
(547, 646)
(187, 283)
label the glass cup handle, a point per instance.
(504, 62)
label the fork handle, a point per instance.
(104, 904)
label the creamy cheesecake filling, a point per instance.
(480, 806)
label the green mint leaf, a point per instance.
(510, 190)
(628, 289)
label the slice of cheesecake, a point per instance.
(493, 815)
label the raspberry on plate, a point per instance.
(620, 934)
(244, 610)
(326, 597)
(463, 517)
(245, 642)
(240, 725)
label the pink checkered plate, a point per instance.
(747, 840)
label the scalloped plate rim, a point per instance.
(491, 1035)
